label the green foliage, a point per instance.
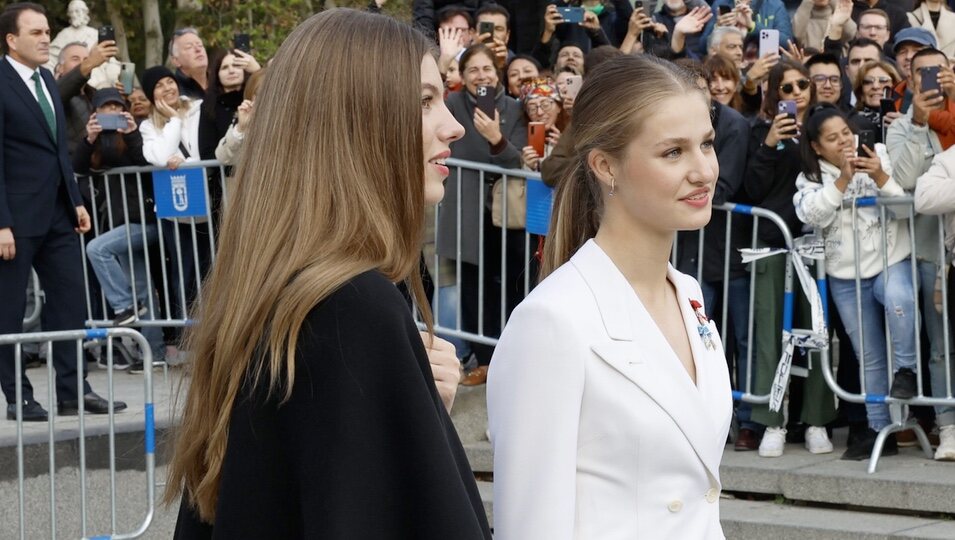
(267, 21)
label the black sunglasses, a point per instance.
(788, 87)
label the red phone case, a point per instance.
(535, 137)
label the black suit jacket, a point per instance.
(34, 162)
(363, 449)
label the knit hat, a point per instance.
(539, 87)
(151, 78)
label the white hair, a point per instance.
(720, 32)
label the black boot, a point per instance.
(862, 449)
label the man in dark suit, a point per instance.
(41, 211)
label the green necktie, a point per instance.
(45, 105)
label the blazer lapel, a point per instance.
(638, 350)
(24, 93)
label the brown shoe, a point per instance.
(746, 440)
(475, 377)
(906, 438)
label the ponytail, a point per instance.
(575, 218)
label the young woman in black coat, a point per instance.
(312, 409)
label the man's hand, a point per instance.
(83, 218)
(551, 19)
(93, 129)
(444, 366)
(499, 50)
(99, 55)
(841, 14)
(8, 248)
(591, 22)
(923, 103)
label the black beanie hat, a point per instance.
(151, 78)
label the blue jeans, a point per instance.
(109, 253)
(928, 273)
(737, 310)
(447, 301)
(893, 292)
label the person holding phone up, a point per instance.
(495, 132)
(916, 143)
(770, 182)
(587, 34)
(543, 111)
(835, 171)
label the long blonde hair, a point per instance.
(330, 185)
(613, 103)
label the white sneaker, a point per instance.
(817, 440)
(946, 444)
(773, 442)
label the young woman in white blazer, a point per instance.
(608, 396)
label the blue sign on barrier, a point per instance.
(539, 200)
(180, 193)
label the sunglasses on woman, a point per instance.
(869, 81)
(788, 88)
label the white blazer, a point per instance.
(598, 431)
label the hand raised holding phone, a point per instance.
(784, 127)
(871, 165)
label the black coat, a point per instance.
(770, 182)
(424, 12)
(34, 162)
(364, 449)
(215, 118)
(732, 132)
(113, 196)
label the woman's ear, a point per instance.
(815, 147)
(602, 167)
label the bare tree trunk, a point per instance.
(116, 19)
(153, 31)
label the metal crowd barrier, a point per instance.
(149, 447)
(898, 409)
(452, 325)
(457, 193)
(168, 256)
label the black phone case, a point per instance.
(106, 33)
(929, 79)
(485, 100)
(486, 28)
(866, 138)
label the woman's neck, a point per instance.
(933, 5)
(640, 254)
(229, 89)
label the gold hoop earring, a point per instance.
(612, 186)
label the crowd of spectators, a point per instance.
(786, 121)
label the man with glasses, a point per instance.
(907, 43)
(898, 20)
(826, 75)
(874, 24)
(913, 141)
(188, 54)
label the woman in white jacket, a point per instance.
(833, 174)
(171, 133)
(608, 396)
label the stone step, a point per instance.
(742, 520)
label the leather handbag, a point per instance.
(516, 203)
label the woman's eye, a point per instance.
(707, 145)
(674, 153)
(426, 101)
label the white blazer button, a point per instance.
(712, 495)
(675, 506)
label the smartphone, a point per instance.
(485, 100)
(106, 33)
(929, 78)
(111, 122)
(486, 27)
(886, 106)
(127, 74)
(536, 135)
(768, 42)
(724, 9)
(787, 107)
(866, 138)
(638, 5)
(242, 42)
(571, 14)
(572, 86)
